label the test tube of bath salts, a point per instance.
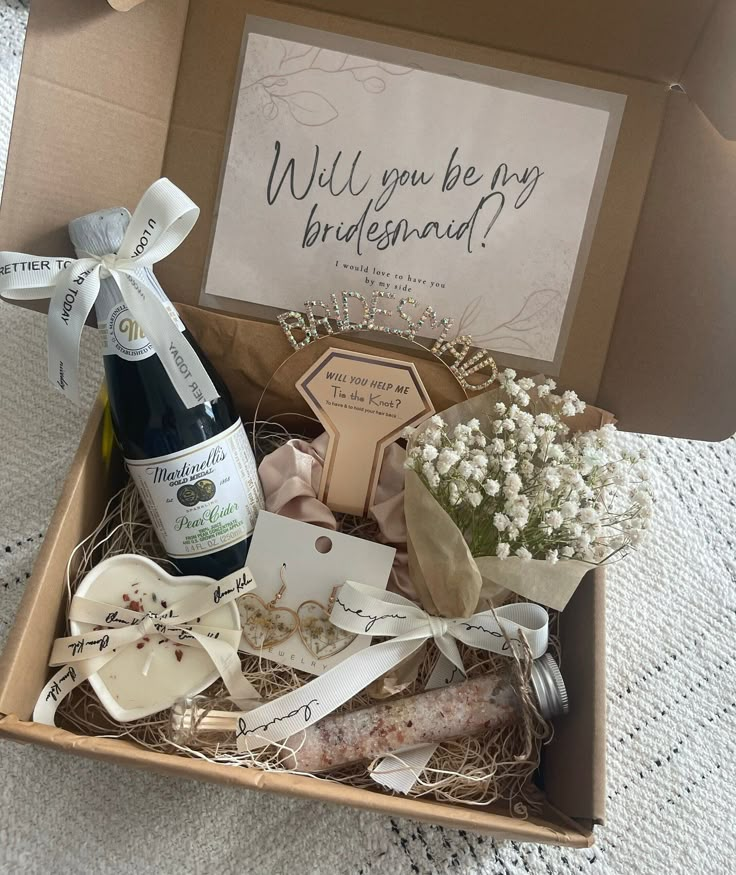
(482, 704)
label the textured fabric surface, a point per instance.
(671, 696)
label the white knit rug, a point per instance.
(671, 691)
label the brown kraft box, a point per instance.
(650, 338)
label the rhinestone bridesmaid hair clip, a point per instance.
(456, 353)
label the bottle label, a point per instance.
(204, 498)
(123, 336)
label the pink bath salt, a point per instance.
(483, 704)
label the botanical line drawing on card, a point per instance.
(280, 89)
(532, 328)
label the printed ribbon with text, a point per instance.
(161, 221)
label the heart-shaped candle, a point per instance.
(151, 674)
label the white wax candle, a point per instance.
(153, 673)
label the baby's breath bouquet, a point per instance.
(534, 503)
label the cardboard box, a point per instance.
(108, 101)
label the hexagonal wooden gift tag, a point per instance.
(364, 402)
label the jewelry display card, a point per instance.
(305, 563)
(357, 165)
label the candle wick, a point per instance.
(147, 664)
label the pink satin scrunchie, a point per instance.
(291, 474)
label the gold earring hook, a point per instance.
(332, 598)
(282, 590)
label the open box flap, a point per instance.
(671, 359)
(199, 119)
(198, 136)
(672, 355)
(651, 40)
(89, 75)
(647, 40)
(710, 76)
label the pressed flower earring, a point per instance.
(265, 624)
(321, 638)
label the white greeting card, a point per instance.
(356, 165)
(305, 564)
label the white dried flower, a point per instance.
(555, 453)
(503, 550)
(491, 486)
(551, 478)
(512, 484)
(501, 521)
(474, 498)
(523, 553)
(431, 437)
(588, 516)
(519, 517)
(429, 453)
(462, 432)
(464, 469)
(431, 475)
(554, 519)
(446, 459)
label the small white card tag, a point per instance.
(295, 630)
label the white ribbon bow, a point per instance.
(365, 610)
(83, 655)
(161, 221)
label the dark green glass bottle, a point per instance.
(194, 468)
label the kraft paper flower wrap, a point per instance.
(449, 580)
